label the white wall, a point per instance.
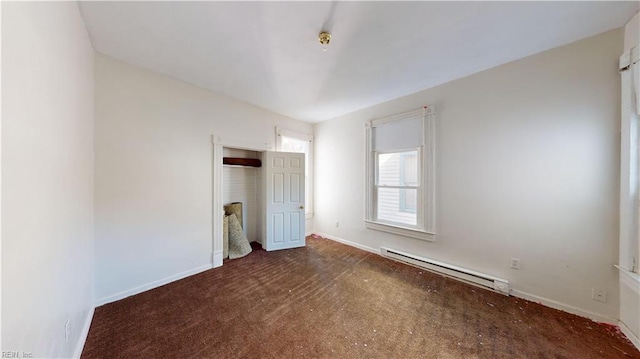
(153, 190)
(47, 178)
(527, 167)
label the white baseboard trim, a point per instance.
(349, 243)
(516, 293)
(217, 259)
(629, 334)
(84, 334)
(564, 307)
(151, 285)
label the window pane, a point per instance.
(392, 205)
(408, 200)
(398, 169)
(290, 144)
(409, 168)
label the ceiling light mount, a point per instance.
(324, 38)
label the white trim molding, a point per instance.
(84, 334)
(629, 304)
(514, 292)
(564, 307)
(425, 228)
(290, 133)
(241, 143)
(630, 61)
(217, 258)
(630, 278)
(219, 143)
(405, 232)
(629, 236)
(347, 242)
(152, 285)
(629, 334)
(218, 209)
(629, 242)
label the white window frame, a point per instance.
(419, 188)
(629, 240)
(280, 132)
(425, 228)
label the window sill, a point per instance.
(635, 277)
(401, 231)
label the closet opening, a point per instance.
(241, 194)
(271, 189)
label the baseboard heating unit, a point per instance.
(466, 275)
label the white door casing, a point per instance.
(284, 200)
(219, 142)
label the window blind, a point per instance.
(398, 135)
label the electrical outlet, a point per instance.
(337, 224)
(599, 294)
(67, 330)
(516, 263)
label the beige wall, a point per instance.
(153, 193)
(47, 179)
(527, 167)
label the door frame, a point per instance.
(219, 143)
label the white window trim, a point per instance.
(427, 196)
(304, 137)
(629, 234)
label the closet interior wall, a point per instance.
(243, 184)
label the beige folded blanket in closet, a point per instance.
(238, 243)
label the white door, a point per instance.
(284, 189)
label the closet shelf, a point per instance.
(236, 161)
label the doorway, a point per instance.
(281, 182)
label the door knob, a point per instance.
(301, 207)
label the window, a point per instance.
(291, 141)
(400, 174)
(397, 187)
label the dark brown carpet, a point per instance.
(328, 300)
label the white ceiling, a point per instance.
(267, 53)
